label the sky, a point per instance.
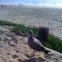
(33, 2)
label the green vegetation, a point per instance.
(53, 42)
(7, 23)
(25, 29)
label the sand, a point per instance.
(15, 48)
(34, 16)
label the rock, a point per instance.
(12, 44)
(14, 56)
(36, 60)
(18, 32)
(14, 38)
(8, 53)
(8, 34)
(19, 60)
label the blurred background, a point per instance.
(44, 3)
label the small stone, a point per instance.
(15, 56)
(19, 60)
(14, 38)
(8, 53)
(18, 32)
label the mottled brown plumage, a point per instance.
(35, 43)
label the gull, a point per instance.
(35, 43)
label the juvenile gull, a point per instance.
(35, 43)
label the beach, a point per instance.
(34, 16)
(15, 48)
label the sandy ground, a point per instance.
(30, 16)
(15, 48)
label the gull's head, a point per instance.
(30, 33)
